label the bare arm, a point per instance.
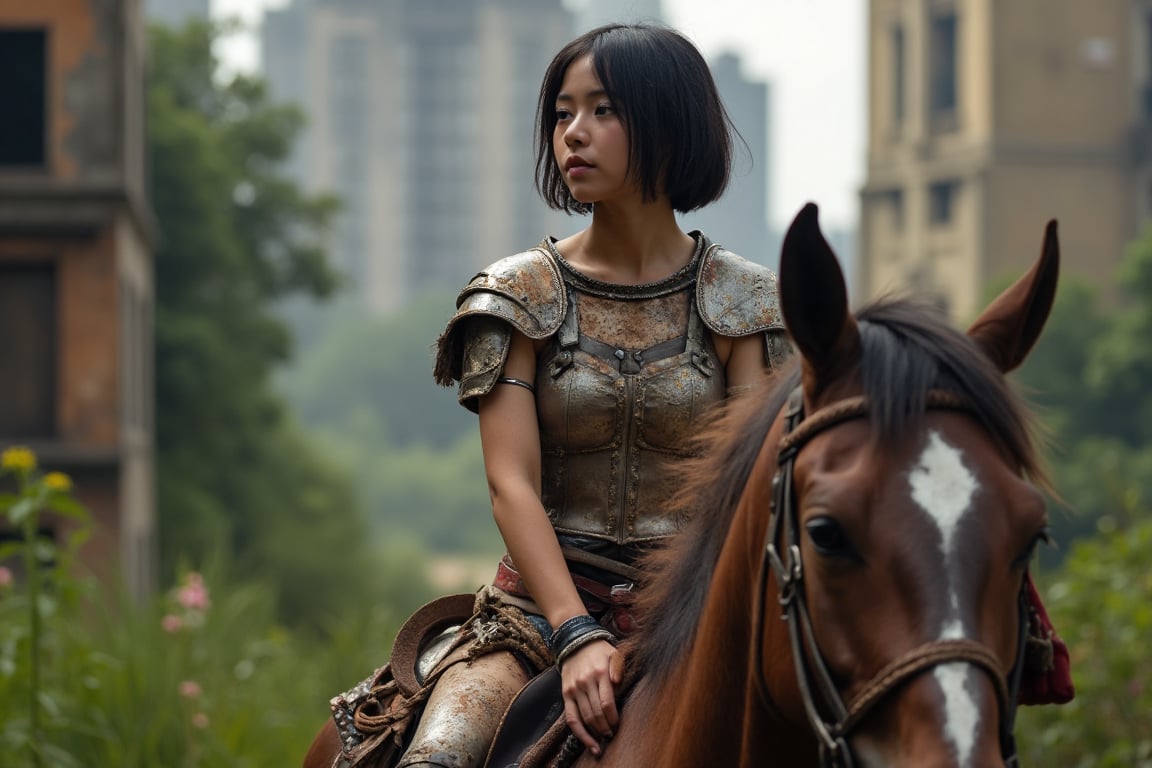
(743, 360)
(510, 438)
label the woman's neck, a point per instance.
(629, 245)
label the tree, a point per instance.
(1089, 375)
(365, 387)
(1101, 603)
(234, 476)
(383, 365)
(1093, 369)
(1120, 370)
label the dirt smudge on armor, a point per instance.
(635, 324)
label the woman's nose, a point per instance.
(574, 134)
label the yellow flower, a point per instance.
(18, 459)
(58, 481)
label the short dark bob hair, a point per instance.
(679, 134)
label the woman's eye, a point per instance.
(604, 109)
(563, 114)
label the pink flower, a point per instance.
(190, 689)
(194, 594)
(5, 577)
(172, 623)
(200, 720)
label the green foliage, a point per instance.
(359, 363)
(438, 498)
(233, 475)
(365, 389)
(1101, 602)
(169, 684)
(202, 676)
(229, 688)
(1089, 375)
(32, 710)
(1121, 363)
(1054, 374)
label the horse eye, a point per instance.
(828, 537)
(1043, 537)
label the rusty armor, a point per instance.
(625, 381)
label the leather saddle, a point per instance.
(532, 728)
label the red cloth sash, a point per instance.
(1047, 675)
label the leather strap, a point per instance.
(509, 579)
(427, 622)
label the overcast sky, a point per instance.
(812, 52)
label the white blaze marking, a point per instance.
(944, 488)
(960, 710)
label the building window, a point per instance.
(943, 86)
(898, 77)
(28, 350)
(1147, 91)
(23, 130)
(894, 205)
(942, 202)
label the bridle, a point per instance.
(831, 718)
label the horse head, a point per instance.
(905, 516)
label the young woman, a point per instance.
(592, 361)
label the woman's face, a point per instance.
(590, 142)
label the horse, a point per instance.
(850, 589)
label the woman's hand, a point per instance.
(589, 680)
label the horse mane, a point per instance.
(907, 349)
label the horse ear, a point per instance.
(814, 300)
(1011, 324)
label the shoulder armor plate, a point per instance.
(737, 297)
(524, 290)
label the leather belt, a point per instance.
(599, 598)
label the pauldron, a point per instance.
(524, 292)
(737, 297)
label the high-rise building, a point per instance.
(739, 220)
(76, 292)
(421, 116)
(989, 118)
(175, 13)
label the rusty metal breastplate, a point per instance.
(623, 386)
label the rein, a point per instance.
(833, 725)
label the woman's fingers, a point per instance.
(576, 725)
(607, 696)
(592, 715)
(589, 695)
